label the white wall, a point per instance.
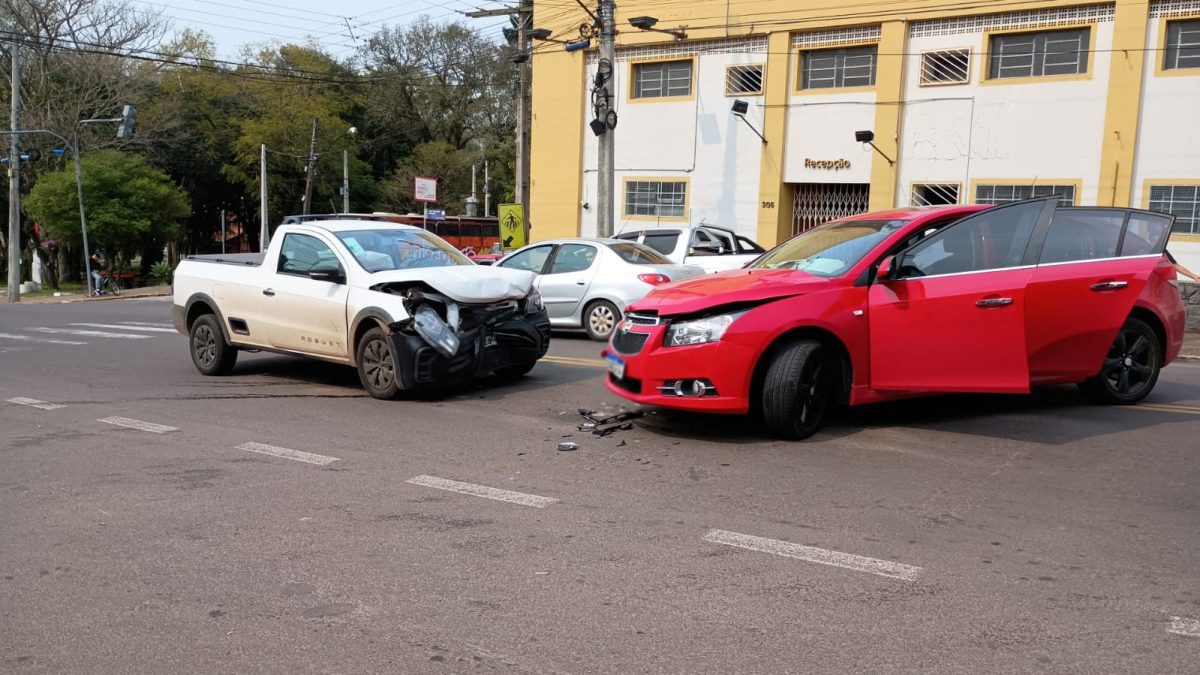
(821, 127)
(698, 140)
(1030, 130)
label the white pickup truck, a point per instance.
(715, 249)
(397, 302)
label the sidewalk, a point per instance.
(144, 292)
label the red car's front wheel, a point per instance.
(797, 389)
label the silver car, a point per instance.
(588, 282)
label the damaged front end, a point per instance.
(445, 342)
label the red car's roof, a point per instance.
(913, 212)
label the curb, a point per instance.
(65, 299)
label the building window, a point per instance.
(934, 194)
(833, 68)
(743, 80)
(1181, 201)
(952, 66)
(1005, 194)
(1059, 52)
(662, 79)
(662, 199)
(1183, 45)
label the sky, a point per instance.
(339, 26)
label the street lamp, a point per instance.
(647, 23)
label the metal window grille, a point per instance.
(751, 45)
(744, 79)
(844, 67)
(1006, 194)
(952, 66)
(934, 194)
(836, 37)
(1183, 45)
(818, 203)
(1181, 201)
(1037, 18)
(1060, 52)
(664, 78)
(663, 199)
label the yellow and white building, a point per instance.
(969, 102)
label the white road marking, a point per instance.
(34, 403)
(287, 453)
(89, 333)
(1184, 626)
(858, 563)
(138, 424)
(148, 323)
(482, 491)
(29, 338)
(149, 329)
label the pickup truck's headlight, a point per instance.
(533, 302)
(700, 331)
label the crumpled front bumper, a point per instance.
(482, 350)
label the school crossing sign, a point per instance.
(512, 225)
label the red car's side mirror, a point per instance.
(884, 271)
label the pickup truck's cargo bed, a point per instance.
(247, 259)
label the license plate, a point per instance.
(616, 366)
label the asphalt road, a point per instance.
(951, 534)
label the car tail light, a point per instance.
(655, 279)
(1166, 270)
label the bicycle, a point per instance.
(108, 285)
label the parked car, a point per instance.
(488, 257)
(588, 282)
(713, 248)
(398, 303)
(888, 305)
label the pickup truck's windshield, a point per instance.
(381, 250)
(831, 249)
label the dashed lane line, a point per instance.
(858, 563)
(287, 453)
(138, 424)
(483, 491)
(89, 333)
(34, 403)
(30, 338)
(1184, 626)
(148, 329)
(158, 324)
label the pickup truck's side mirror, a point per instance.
(333, 274)
(885, 271)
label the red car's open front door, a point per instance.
(952, 317)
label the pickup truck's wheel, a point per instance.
(210, 353)
(797, 389)
(600, 318)
(376, 369)
(1131, 368)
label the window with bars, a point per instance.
(661, 79)
(1046, 53)
(1181, 201)
(951, 66)
(934, 194)
(1005, 194)
(662, 199)
(1183, 45)
(744, 80)
(835, 68)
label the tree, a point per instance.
(132, 208)
(439, 159)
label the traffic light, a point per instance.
(125, 131)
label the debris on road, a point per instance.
(603, 425)
(567, 446)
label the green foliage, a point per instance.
(130, 205)
(162, 272)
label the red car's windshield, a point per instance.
(831, 249)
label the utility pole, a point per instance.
(487, 196)
(345, 181)
(14, 182)
(312, 165)
(264, 231)
(524, 108)
(607, 155)
(223, 237)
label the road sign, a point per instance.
(512, 225)
(425, 189)
(435, 214)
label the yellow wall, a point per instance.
(556, 155)
(1124, 102)
(889, 91)
(774, 197)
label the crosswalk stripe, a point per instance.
(131, 423)
(149, 329)
(34, 403)
(29, 338)
(89, 333)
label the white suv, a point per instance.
(715, 249)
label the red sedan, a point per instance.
(894, 304)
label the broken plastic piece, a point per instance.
(435, 331)
(567, 446)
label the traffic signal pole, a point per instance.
(14, 182)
